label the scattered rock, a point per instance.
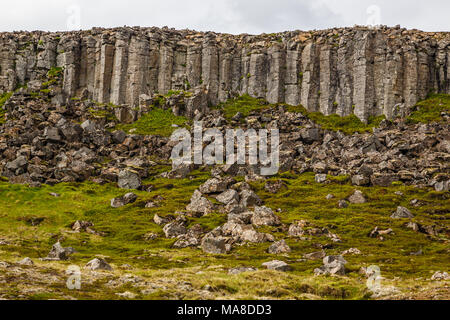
(214, 185)
(26, 262)
(342, 204)
(239, 270)
(277, 265)
(174, 229)
(315, 255)
(199, 204)
(320, 178)
(122, 201)
(264, 216)
(402, 212)
(357, 197)
(228, 196)
(128, 179)
(332, 265)
(279, 247)
(351, 251)
(438, 275)
(59, 253)
(214, 245)
(98, 264)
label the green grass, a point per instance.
(348, 124)
(429, 110)
(302, 199)
(3, 98)
(243, 104)
(156, 122)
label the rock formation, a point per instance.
(357, 70)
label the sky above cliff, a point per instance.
(230, 16)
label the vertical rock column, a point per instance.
(344, 95)
(194, 63)
(87, 67)
(393, 85)
(311, 75)
(277, 70)
(103, 70)
(363, 94)
(293, 77)
(257, 75)
(410, 75)
(225, 71)
(137, 69)
(165, 67)
(120, 67)
(210, 68)
(69, 59)
(328, 80)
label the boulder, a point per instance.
(249, 198)
(279, 247)
(357, 197)
(174, 229)
(98, 264)
(332, 265)
(402, 212)
(129, 179)
(199, 204)
(59, 253)
(214, 245)
(26, 262)
(277, 265)
(228, 196)
(264, 216)
(214, 185)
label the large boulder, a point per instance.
(357, 197)
(174, 229)
(214, 245)
(129, 179)
(402, 212)
(332, 265)
(264, 216)
(279, 247)
(199, 204)
(214, 185)
(276, 265)
(59, 253)
(249, 198)
(98, 264)
(228, 196)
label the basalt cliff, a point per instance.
(368, 72)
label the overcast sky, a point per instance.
(231, 16)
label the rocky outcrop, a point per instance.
(357, 70)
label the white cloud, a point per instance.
(233, 16)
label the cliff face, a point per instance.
(350, 70)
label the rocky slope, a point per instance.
(364, 71)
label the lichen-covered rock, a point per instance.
(277, 265)
(264, 216)
(402, 212)
(98, 264)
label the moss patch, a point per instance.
(430, 109)
(156, 122)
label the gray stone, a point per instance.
(402, 212)
(279, 247)
(128, 179)
(277, 265)
(98, 264)
(264, 216)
